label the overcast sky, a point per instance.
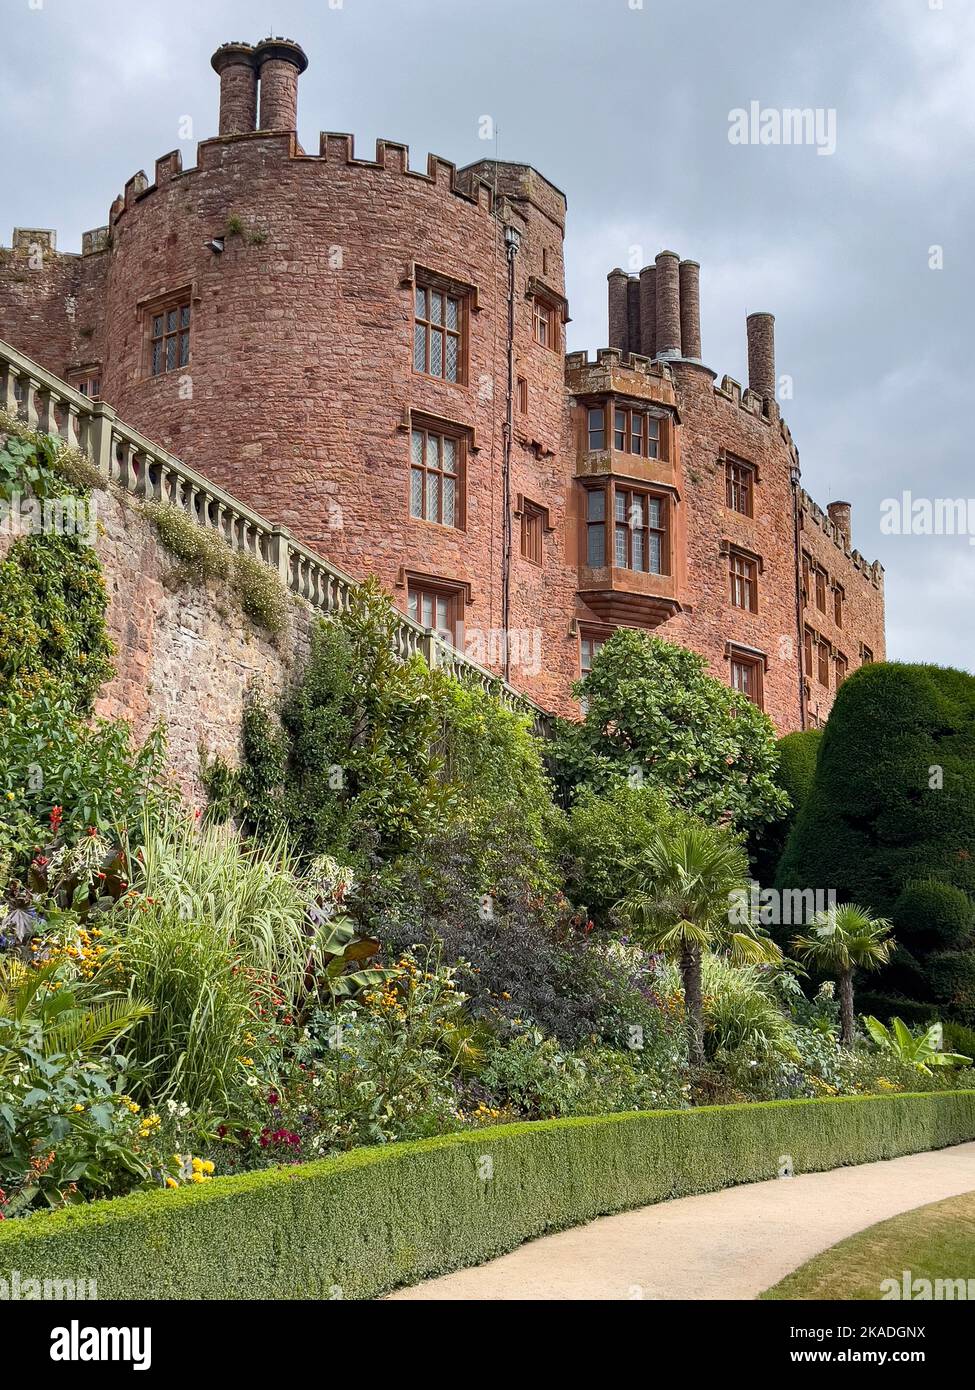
(626, 108)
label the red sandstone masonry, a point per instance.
(300, 391)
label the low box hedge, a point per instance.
(361, 1223)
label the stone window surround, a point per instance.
(150, 306)
(756, 660)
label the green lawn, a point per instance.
(933, 1242)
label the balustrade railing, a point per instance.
(133, 463)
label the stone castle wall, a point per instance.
(300, 393)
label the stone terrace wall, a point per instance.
(186, 653)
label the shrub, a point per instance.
(952, 979)
(604, 841)
(204, 555)
(362, 735)
(469, 1196)
(503, 793)
(653, 714)
(376, 755)
(958, 1038)
(62, 1134)
(531, 959)
(59, 777)
(934, 915)
(53, 636)
(204, 1006)
(893, 806)
(261, 594)
(796, 770)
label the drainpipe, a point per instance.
(794, 480)
(512, 240)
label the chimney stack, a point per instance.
(761, 355)
(619, 335)
(648, 311)
(841, 515)
(238, 87)
(280, 63)
(668, 304)
(690, 309)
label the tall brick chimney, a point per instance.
(668, 304)
(280, 63)
(648, 311)
(238, 87)
(841, 515)
(761, 354)
(619, 333)
(690, 309)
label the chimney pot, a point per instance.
(238, 87)
(619, 333)
(841, 515)
(668, 304)
(761, 354)
(280, 63)
(690, 309)
(648, 311)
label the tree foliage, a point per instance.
(655, 717)
(890, 822)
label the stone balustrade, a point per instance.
(133, 463)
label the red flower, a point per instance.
(57, 814)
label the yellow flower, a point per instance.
(171, 1182)
(77, 1109)
(207, 1166)
(197, 1177)
(198, 1165)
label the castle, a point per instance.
(373, 357)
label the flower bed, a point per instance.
(358, 1225)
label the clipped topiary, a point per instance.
(892, 812)
(795, 773)
(934, 915)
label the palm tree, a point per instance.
(844, 939)
(682, 907)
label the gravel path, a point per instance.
(730, 1244)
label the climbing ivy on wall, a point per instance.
(53, 635)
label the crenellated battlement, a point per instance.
(871, 570)
(760, 408)
(334, 148)
(289, 321)
(614, 357)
